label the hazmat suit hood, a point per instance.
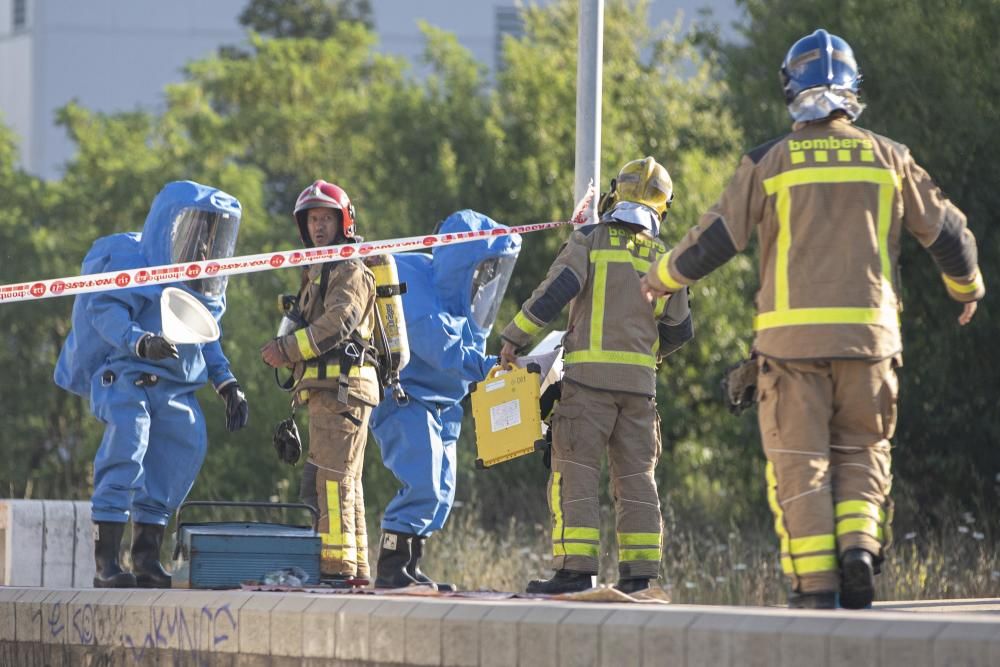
(470, 278)
(189, 222)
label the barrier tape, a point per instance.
(172, 273)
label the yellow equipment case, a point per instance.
(507, 414)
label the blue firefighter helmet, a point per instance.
(822, 65)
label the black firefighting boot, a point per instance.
(824, 600)
(629, 585)
(146, 541)
(413, 567)
(342, 581)
(107, 544)
(857, 579)
(394, 553)
(563, 581)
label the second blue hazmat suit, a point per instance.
(143, 387)
(450, 305)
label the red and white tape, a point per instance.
(172, 273)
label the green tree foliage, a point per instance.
(412, 150)
(409, 151)
(47, 447)
(303, 18)
(930, 83)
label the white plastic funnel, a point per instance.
(185, 319)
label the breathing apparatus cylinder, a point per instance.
(391, 340)
(389, 301)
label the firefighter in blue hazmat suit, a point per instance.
(141, 385)
(450, 305)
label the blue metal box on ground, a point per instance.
(224, 554)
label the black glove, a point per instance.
(237, 409)
(155, 348)
(287, 442)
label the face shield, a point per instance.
(489, 282)
(200, 235)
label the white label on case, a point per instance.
(505, 415)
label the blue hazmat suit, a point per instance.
(154, 440)
(449, 306)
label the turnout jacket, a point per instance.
(829, 202)
(615, 338)
(334, 309)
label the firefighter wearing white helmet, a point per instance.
(829, 202)
(333, 360)
(615, 341)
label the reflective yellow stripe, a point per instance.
(779, 523)
(333, 371)
(780, 185)
(575, 549)
(862, 507)
(886, 317)
(522, 322)
(885, 195)
(305, 346)
(663, 273)
(815, 564)
(661, 305)
(611, 357)
(954, 286)
(576, 533)
(333, 540)
(812, 544)
(638, 554)
(555, 500)
(595, 354)
(640, 539)
(820, 175)
(784, 246)
(599, 304)
(620, 257)
(864, 525)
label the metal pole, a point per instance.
(589, 67)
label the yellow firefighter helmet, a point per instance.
(641, 190)
(646, 182)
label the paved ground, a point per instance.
(981, 606)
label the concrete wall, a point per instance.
(46, 543)
(135, 627)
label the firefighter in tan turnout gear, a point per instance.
(829, 202)
(333, 365)
(614, 342)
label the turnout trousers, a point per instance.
(587, 422)
(825, 427)
(331, 481)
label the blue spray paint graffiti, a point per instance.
(196, 634)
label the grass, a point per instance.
(725, 567)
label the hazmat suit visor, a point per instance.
(489, 283)
(199, 235)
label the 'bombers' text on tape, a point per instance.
(172, 273)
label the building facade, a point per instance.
(117, 55)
